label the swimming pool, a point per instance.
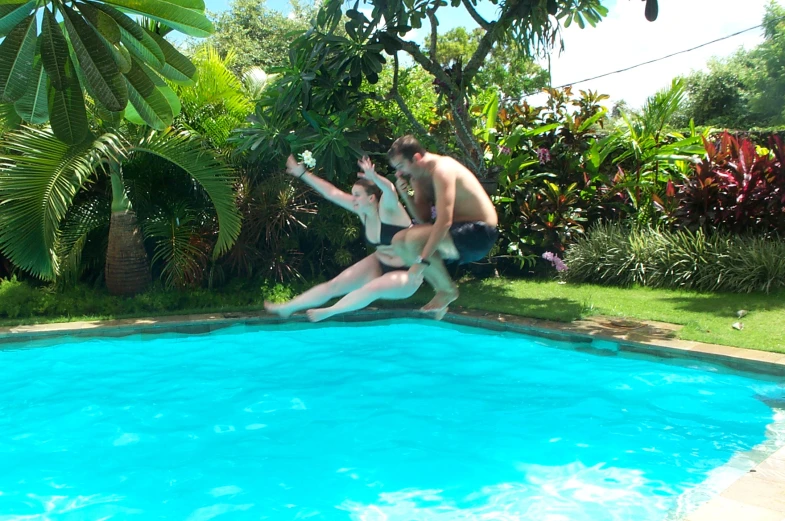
(393, 420)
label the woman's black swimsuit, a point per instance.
(386, 234)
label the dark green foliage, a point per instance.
(23, 300)
(257, 35)
(615, 255)
(745, 90)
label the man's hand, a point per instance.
(294, 168)
(402, 183)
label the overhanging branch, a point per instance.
(431, 12)
(433, 67)
(492, 34)
(482, 22)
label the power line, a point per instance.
(663, 57)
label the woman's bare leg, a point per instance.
(350, 279)
(409, 244)
(395, 285)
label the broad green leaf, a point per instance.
(121, 57)
(16, 59)
(68, 116)
(177, 68)
(132, 115)
(94, 58)
(149, 102)
(183, 19)
(145, 50)
(12, 14)
(103, 23)
(33, 106)
(165, 89)
(54, 51)
(134, 37)
(109, 30)
(189, 4)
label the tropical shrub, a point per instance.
(736, 187)
(538, 152)
(617, 255)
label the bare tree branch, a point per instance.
(466, 139)
(421, 131)
(474, 14)
(433, 67)
(492, 34)
(431, 12)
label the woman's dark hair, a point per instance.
(370, 188)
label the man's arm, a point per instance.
(422, 202)
(444, 192)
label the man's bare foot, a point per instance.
(441, 300)
(317, 315)
(277, 309)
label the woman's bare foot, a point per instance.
(441, 300)
(317, 315)
(278, 309)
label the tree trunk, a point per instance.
(127, 270)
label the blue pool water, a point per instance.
(406, 420)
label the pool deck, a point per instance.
(759, 495)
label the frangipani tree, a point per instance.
(321, 87)
(54, 52)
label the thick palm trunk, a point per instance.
(127, 270)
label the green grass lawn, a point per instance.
(706, 317)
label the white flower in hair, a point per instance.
(307, 159)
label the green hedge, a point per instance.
(20, 300)
(616, 255)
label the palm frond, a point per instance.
(177, 247)
(39, 177)
(81, 221)
(215, 177)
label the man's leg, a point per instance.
(409, 244)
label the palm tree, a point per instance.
(40, 176)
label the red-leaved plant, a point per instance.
(734, 188)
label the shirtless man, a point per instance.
(466, 220)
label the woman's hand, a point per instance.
(368, 170)
(294, 168)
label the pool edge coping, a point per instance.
(641, 336)
(755, 494)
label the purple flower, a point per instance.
(544, 155)
(555, 261)
(505, 150)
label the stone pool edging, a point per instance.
(758, 495)
(597, 333)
